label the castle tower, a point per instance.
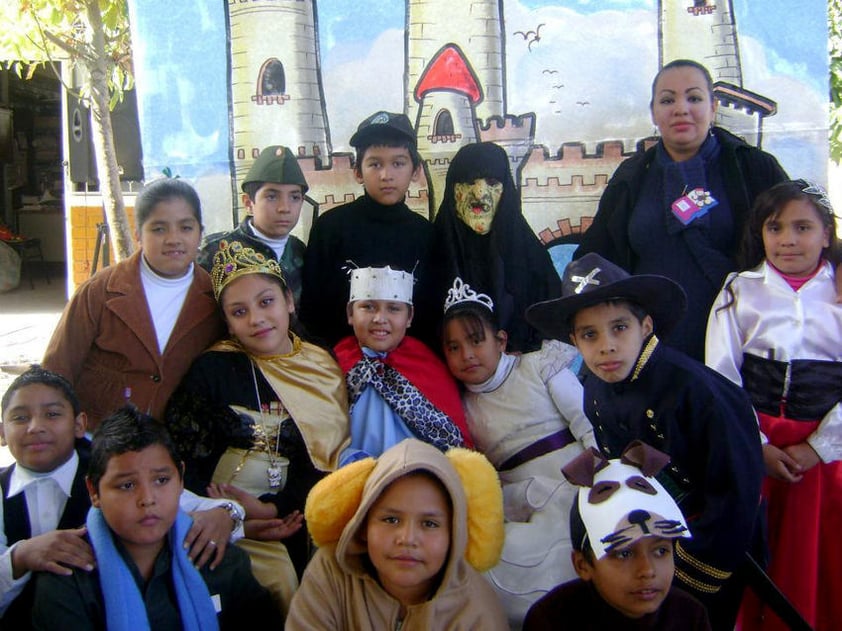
(277, 95)
(476, 29)
(446, 93)
(706, 31)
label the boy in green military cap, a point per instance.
(273, 193)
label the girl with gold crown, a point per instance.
(261, 416)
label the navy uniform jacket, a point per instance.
(708, 427)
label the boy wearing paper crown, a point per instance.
(641, 389)
(397, 387)
(273, 193)
(401, 541)
(623, 525)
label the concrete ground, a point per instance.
(28, 316)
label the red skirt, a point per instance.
(805, 538)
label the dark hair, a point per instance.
(161, 190)
(295, 325)
(127, 430)
(682, 63)
(37, 375)
(251, 188)
(474, 317)
(637, 310)
(769, 204)
(386, 138)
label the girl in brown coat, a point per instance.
(131, 331)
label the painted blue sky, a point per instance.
(782, 43)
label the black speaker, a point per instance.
(82, 167)
(124, 123)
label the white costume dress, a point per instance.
(529, 398)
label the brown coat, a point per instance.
(105, 341)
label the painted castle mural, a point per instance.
(562, 86)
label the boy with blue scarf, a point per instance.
(144, 578)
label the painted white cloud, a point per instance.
(363, 83)
(606, 58)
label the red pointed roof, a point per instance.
(449, 70)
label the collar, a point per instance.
(149, 274)
(504, 368)
(63, 475)
(772, 275)
(645, 354)
(371, 354)
(272, 242)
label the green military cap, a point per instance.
(276, 164)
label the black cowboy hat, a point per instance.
(592, 280)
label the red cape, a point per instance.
(422, 369)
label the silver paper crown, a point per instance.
(461, 292)
(381, 283)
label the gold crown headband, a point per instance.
(234, 260)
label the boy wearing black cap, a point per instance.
(642, 389)
(273, 193)
(375, 230)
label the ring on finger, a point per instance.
(212, 542)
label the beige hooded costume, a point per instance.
(340, 588)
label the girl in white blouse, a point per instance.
(776, 329)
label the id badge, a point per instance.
(697, 203)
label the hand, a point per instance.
(804, 454)
(56, 551)
(208, 536)
(780, 465)
(274, 529)
(254, 508)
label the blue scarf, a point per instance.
(124, 606)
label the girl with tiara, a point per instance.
(776, 329)
(525, 414)
(262, 415)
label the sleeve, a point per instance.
(724, 340)
(316, 301)
(189, 502)
(319, 600)
(10, 588)
(74, 334)
(61, 604)
(568, 395)
(611, 219)
(826, 440)
(723, 443)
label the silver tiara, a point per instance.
(462, 292)
(818, 190)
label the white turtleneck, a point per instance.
(165, 298)
(277, 245)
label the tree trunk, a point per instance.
(103, 140)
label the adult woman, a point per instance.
(131, 331)
(256, 403)
(678, 209)
(482, 237)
